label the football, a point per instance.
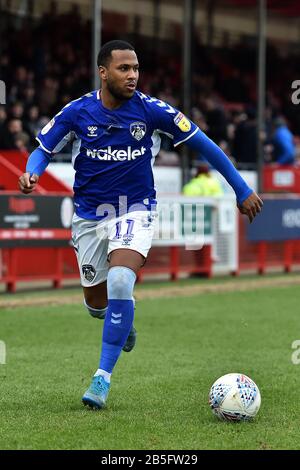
(234, 397)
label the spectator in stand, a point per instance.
(29, 96)
(17, 111)
(48, 94)
(233, 88)
(245, 140)
(284, 149)
(21, 78)
(5, 66)
(215, 119)
(3, 117)
(12, 127)
(33, 122)
(22, 142)
(10, 134)
(199, 119)
(203, 184)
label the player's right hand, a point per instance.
(251, 206)
(28, 183)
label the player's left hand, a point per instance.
(28, 183)
(251, 206)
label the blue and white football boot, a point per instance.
(96, 395)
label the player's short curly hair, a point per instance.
(104, 55)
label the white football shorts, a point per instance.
(93, 241)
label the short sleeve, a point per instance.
(171, 121)
(56, 132)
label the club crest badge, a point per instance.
(138, 130)
(88, 272)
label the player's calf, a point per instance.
(100, 314)
(119, 316)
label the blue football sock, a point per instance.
(119, 315)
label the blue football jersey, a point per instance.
(114, 150)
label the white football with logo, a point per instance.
(234, 397)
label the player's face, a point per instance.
(121, 75)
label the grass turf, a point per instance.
(159, 392)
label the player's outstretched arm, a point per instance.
(36, 165)
(248, 202)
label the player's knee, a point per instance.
(95, 299)
(120, 283)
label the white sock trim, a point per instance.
(104, 374)
(96, 310)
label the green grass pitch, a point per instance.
(159, 392)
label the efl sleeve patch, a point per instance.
(182, 122)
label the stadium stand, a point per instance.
(50, 70)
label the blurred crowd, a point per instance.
(46, 64)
